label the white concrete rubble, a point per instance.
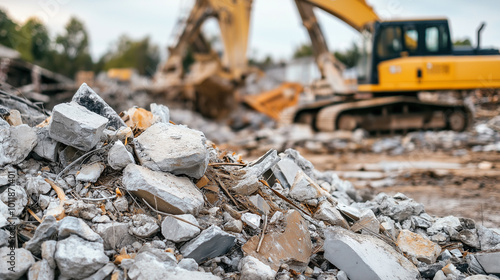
(143, 226)
(16, 142)
(76, 126)
(212, 242)
(90, 172)
(88, 259)
(43, 232)
(163, 191)
(71, 225)
(48, 251)
(46, 147)
(414, 245)
(173, 148)
(41, 270)
(16, 198)
(160, 112)
(252, 220)
(252, 269)
(119, 157)
(360, 256)
(23, 260)
(490, 261)
(178, 231)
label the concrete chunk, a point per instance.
(115, 235)
(160, 112)
(365, 257)
(249, 182)
(48, 251)
(328, 213)
(71, 225)
(17, 194)
(212, 242)
(414, 245)
(169, 193)
(78, 258)
(42, 233)
(303, 188)
(252, 220)
(89, 99)
(23, 261)
(143, 226)
(490, 261)
(75, 126)
(173, 148)
(399, 207)
(291, 246)
(16, 142)
(179, 231)
(46, 147)
(90, 172)
(41, 271)
(489, 239)
(253, 269)
(119, 157)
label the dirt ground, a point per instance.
(466, 186)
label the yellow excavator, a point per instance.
(402, 61)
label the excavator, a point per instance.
(402, 62)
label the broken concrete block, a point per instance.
(173, 148)
(188, 264)
(90, 172)
(90, 257)
(442, 224)
(414, 245)
(115, 235)
(37, 185)
(450, 270)
(252, 269)
(489, 239)
(360, 256)
(252, 220)
(13, 269)
(102, 273)
(469, 237)
(285, 171)
(16, 198)
(121, 204)
(48, 251)
(16, 142)
(260, 204)
(119, 157)
(163, 191)
(328, 213)
(75, 126)
(42, 233)
(291, 246)
(303, 188)
(46, 147)
(178, 231)
(490, 261)
(249, 182)
(4, 235)
(89, 99)
(41, 270)
(212, 242)
(143, 226)
(160, 112)
(481, 277)
(399, 207)
(71, 225)
(86, 211)
(234, 226)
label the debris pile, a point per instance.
(92, 194)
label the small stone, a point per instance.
(252, 269)
(14, 269)
(76, 126)
(160, 112)
(234, 226)
(89, 99)
(43, 201)
(188, 264)
(439, 276)
(360, 256)
(481, 277)
(341, 275)
(46, 147)
(4, 236)
(90, 172)
(252, 220)
(398, 208)
(416, 246)
(71, 225)
(249, 182)
(291, 246)
(328, 213)
(17, 194)
(102, 273)
(488, 238)
(43, 232)
(428, 271)
(89, 259)
(115, 235)
(303, 188)
(37, 185)
(158, 151)
(164, 191)
(16, 142)
(212, 242)
(178, 231)
(101, 219)
(119, 157)
(443, 223)
(48, 251)
(121, 204)
(41, 270)
(143, 226)
(450, 269)
(490, 261)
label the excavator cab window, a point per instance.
(411, 39)
(436, 39)
(389, 43)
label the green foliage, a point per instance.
(463, 42)
(35, 46)
(141, 55)
(349, 57)
(303, 50)
(8, 31)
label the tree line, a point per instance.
(68, 52)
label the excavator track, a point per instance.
(395, 113)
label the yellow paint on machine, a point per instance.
(437, 73)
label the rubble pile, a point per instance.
(93, 194)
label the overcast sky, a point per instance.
(275, 28)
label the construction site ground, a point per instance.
(470, 190)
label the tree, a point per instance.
(303, 51)
(349, 57)
(35, 46)
(72, 49)
(141, 55)
(8, 31)
(463, 42)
